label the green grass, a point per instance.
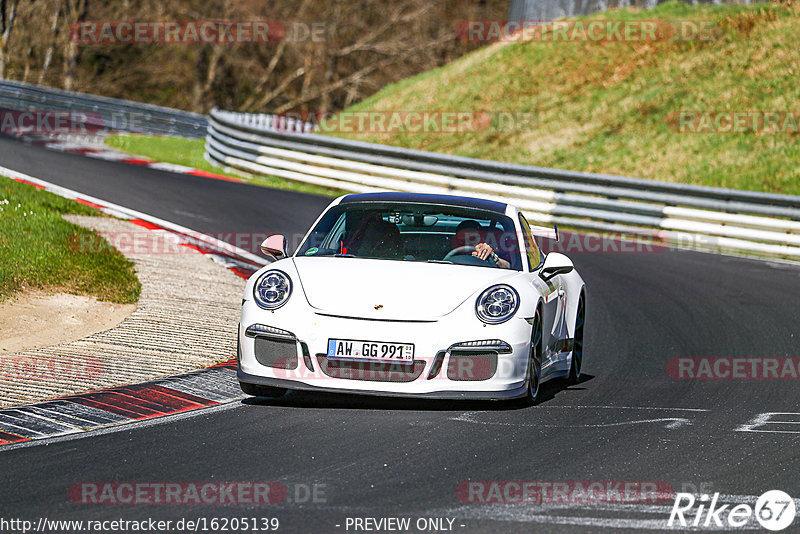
(189, 152)
(610, 106)
(38, 249)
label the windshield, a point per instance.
(414, 232)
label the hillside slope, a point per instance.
(615, 107)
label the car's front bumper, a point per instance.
(461, 375)
(443, 395)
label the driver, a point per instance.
(469, 231)
(485, 252)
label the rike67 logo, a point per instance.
(775, 510)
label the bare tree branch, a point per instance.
(48, 56)
(8, 12)
(361, 47)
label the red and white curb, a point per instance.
(98, 151)
(213, 386)
(74, 414)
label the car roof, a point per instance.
(446, 200)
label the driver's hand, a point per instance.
(482, 251)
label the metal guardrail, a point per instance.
(106, 113)
(686, 215)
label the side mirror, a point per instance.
(555, 263)
(274, 245)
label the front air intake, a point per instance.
(471, 366)
(278, 354)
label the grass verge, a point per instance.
(189, 152)
(37, 249)
(611, 107)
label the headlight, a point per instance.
(497, 304)
(272, 289)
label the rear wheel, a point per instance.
(261, 391)
(577, 347)
(535, 361)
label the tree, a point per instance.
(76, 11)
(8, 12)
(357, 47)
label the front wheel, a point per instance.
(535, 361)
(577, 346)
(261, 391)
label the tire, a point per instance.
(534, 362)
(261, 391)
(577, 347)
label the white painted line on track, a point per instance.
(669, 422)
(502, 513)
(627, 408)
(597, 515)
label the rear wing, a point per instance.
(545, 232)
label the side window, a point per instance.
(336, 233)
(534, 254)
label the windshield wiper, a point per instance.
(340, 255)
(441, 261)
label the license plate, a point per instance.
(373, 351)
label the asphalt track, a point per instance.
(626, 421)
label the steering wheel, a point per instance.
(464, 250)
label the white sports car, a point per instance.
(404, 294)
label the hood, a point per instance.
(354, 287)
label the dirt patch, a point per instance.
(34, 319)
